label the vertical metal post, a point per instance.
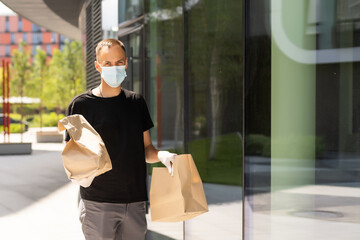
(6, 127)
(186, 95)
(159, 103)
(6, 101)
(4, 105)
(183, 230)
(8, 97)
(244, 35)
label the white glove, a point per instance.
(167, 159)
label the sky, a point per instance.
(5, 10)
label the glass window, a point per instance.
(205, 93)
(48, 49)
(302, 120)
(164, 86)
(12, 38)
(25, 37)
(53, 37)
(35, 28)
(134, 8)
(34, 50)
(7, 50)
(20, 24)
(130, 9)
(213, 58)
(133, 44)
(7, 24)
(163, 50)
(36, 38)
(62, 39)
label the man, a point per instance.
(113, 206)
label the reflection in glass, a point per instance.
(165, 69)
(164, 88)
(134, 53)
(130, 9)
(301, 131)
(214, 66)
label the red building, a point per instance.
(14, 28)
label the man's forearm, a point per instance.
(151, 154)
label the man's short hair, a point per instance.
(108, 43)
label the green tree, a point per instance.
(65, 76)
(74, 66)
(215, 60)
(38, 78)
(21, 72)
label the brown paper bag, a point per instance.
(180, 197)
(85, 155)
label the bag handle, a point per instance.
(61, 127)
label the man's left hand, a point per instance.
(167, 159)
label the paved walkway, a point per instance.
(37, 201)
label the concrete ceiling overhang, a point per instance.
(59, 16)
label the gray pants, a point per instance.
(113, 221)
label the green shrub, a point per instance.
(15, 116)
(224, 167)
(14, 128)
(257, 145)
(292, 147)
(298, 147)
(29, 118)
(48, 119)
(320, 146)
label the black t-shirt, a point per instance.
(120, 121)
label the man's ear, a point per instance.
(97, 66)
(126, 65)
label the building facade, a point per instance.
(263, 94)
(14, 28)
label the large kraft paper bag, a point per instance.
(179, 197)
(85, 155)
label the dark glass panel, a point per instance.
(164, 84)
(214, 112)
(301, 126)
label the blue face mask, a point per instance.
(113, 75)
